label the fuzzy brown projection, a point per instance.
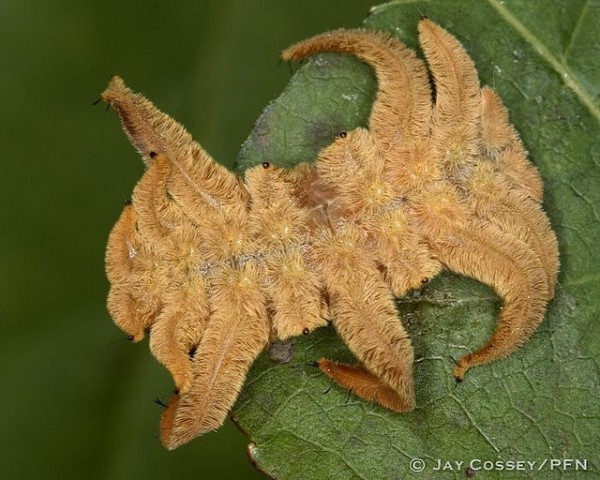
(215, 266)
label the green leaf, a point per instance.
(541, 402)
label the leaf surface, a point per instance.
(541, 402)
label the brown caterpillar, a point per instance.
(216, 266)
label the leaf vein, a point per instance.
(564, 72)
(474, 423)
(575, 32)
(327, 450)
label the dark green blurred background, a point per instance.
(76, 401)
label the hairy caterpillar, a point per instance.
(215, 266)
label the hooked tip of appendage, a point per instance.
(428, 26)
(135, 337)
(324, 364)
(289, 54)
(115, 89)
(424, 21)
(459, 372)
(300, 50)
(167, 422)
(115, 83)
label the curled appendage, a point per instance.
(237, 332)
(158, 246)
(455, 117)
(517, 214)
(496, 131)
(179, 328)
(149, 130)
(133, 300)
(465, 128)
(506, 264)
(513, 163)
(363, 384)
(403, 102)
(500, 142)
(124, 244)
(364, 316)
(149, 199)
(153, 132)
(140, 245)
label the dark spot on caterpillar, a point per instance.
(306, 331)
(192, 351)
(343, 134)
(175, 391)
(130, 338)
(424, 280)
(153, 154)
(266, 164)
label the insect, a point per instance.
(215, 266)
